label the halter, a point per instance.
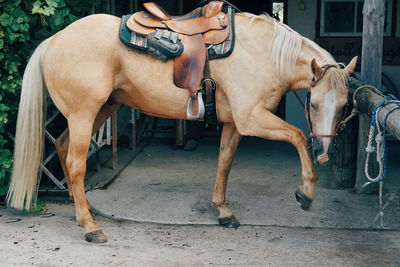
(313, 83)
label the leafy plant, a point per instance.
(23, 25)
(46, 7)
(40, 205)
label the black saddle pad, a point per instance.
(139, 41)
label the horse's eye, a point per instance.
(312, 105)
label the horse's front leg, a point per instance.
(265, 124)
(230, 139)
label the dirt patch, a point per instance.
(58, 241)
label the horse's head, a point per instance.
(326, 106)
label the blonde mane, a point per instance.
(285, 49)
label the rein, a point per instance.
(307, 105)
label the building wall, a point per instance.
(303, 21)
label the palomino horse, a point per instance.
(85, 64)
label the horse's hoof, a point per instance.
(190, 145)
(303, 200)
(229, 222)
(96, 237)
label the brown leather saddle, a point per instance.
(189, 39)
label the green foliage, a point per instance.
(46, 7)
(23, 25)
(40, 205)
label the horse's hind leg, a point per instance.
(62, 142)
(80, 132)
(230, 139)
(61, 145)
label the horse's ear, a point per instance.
(351, 66)
(315, 68)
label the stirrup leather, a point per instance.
(201, 108)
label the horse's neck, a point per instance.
(255, 30)
(302, 73)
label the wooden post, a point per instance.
(179, 124)
(108, 6)
(112, 7)
(114, 140)
(371, 71)
(136, 5)
(133, 138)
(179, 133)
(180, 7)
(343, 164)
(92, 10)
(133, 6)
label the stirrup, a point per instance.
(201, 108)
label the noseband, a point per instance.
(313, 83)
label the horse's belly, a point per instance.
(160, 105)
(146, 84)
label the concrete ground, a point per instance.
(174, 186)
(41, 240)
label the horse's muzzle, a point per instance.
(323, 158)
(321, 153)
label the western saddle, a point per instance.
(186, 39)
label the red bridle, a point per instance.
(308, 103)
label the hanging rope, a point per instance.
(379, 149)
(380, 143)
(379, 139)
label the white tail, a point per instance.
(29, 137)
